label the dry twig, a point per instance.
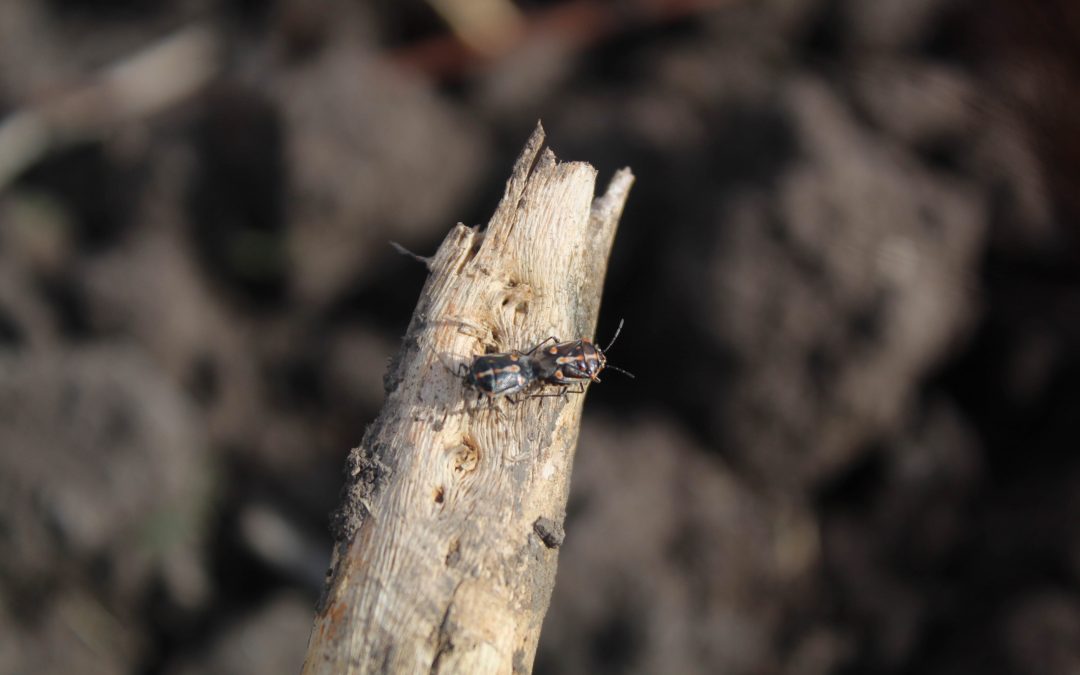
(137, 87)
(449, 531)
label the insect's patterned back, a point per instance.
(568, 362)
(571, 362)
(500, 374)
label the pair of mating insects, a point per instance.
(562, 364)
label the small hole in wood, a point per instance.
(466, 457)
(439, 495)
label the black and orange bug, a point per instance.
(496, 375)
(573, 362)
(562, 364)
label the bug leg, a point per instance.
(474, 407)
(566, 390)
(544, 395)
(461, 370)
(550, 338)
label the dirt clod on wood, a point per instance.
(550, 532)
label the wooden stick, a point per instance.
(452, 517)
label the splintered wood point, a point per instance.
(448, 533)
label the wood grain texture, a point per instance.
(449, 530)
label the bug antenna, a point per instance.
(624, 372)
(616, 336)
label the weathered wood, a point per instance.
(449, 532)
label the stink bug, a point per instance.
(567, 363)
(499, 374)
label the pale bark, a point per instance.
(449, 531)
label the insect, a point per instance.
(503, 374)
(566, 363)
(562, 364)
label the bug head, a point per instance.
(601, 363)
(601, 356)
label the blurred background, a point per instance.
(848, 269)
